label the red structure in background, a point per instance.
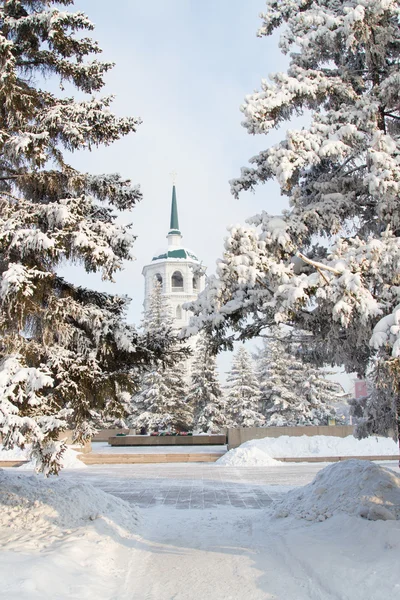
(360, 388)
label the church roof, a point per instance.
(174, 222)
(176, 253)
(175, 250)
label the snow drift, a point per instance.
(31, 502)
(62, 538)
(325, 445)
(247, 455)
(355, 487)
(262, 452)
(69, 458)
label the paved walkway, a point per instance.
(197, 486)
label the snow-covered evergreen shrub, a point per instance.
(375, 414)
(205, 394)
(292, 392)
(243, 393)
(160, 402)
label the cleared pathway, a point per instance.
(198, 486)
(231, 549)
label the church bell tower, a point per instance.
(176, 270)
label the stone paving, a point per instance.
(193, 494)
(196, 486)
(199, 485)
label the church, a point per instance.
(178, 271)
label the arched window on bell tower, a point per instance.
(157, 277)
(177, 281)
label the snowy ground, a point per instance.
(105, 448)
(78, 541)
(240, 554)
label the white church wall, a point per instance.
(176, 297)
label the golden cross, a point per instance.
(174, 175)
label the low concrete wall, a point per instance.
(148, 458)
(239, 435)
(104, 434)
(67, 436)
(318, 459)
(167, 440)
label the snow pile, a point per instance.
(33, 503)
(325, 445)
(355, 487)
(69, 459)
(260, 452)
(14, 454)
(247, 455)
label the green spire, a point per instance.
(174, 224)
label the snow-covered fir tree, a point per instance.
(117, 413)
(66, 352)
(375, 414)
(160, 402)
(329, 264)
(243, 393)
(292, 392)
(205, 394)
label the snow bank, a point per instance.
(355, 487)
(34, 503)
(14, 454)
(69, 460)
(262, 452)
(246, 456)
(324, 445)
(61, 538)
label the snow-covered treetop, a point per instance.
(328, 264)
(158, 316)
(36, 124)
